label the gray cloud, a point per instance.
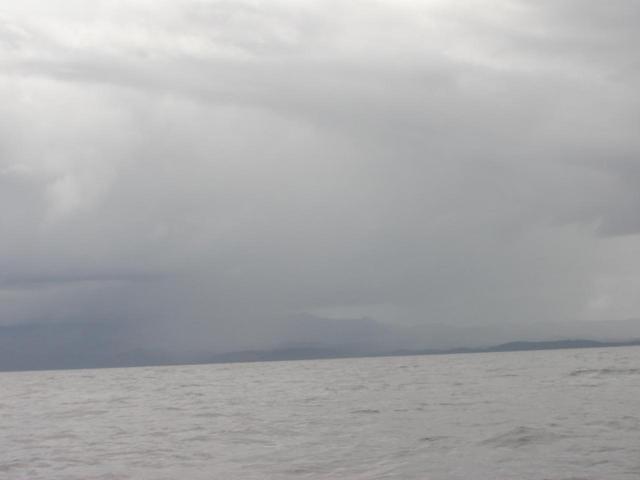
(204, 173)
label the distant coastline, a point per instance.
(147, 358)
(328, 353)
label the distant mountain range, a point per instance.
(311, 353)
(35, 348)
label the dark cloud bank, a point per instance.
(204, 176)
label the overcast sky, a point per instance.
(219, 174)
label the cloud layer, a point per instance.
(207, 172)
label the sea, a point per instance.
(539, 415)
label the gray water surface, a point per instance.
(565, 414)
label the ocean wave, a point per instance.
(605, 371)
(521, 437)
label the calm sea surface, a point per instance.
(564, 414)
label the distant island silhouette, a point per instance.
(12, 359)
(317, 353)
